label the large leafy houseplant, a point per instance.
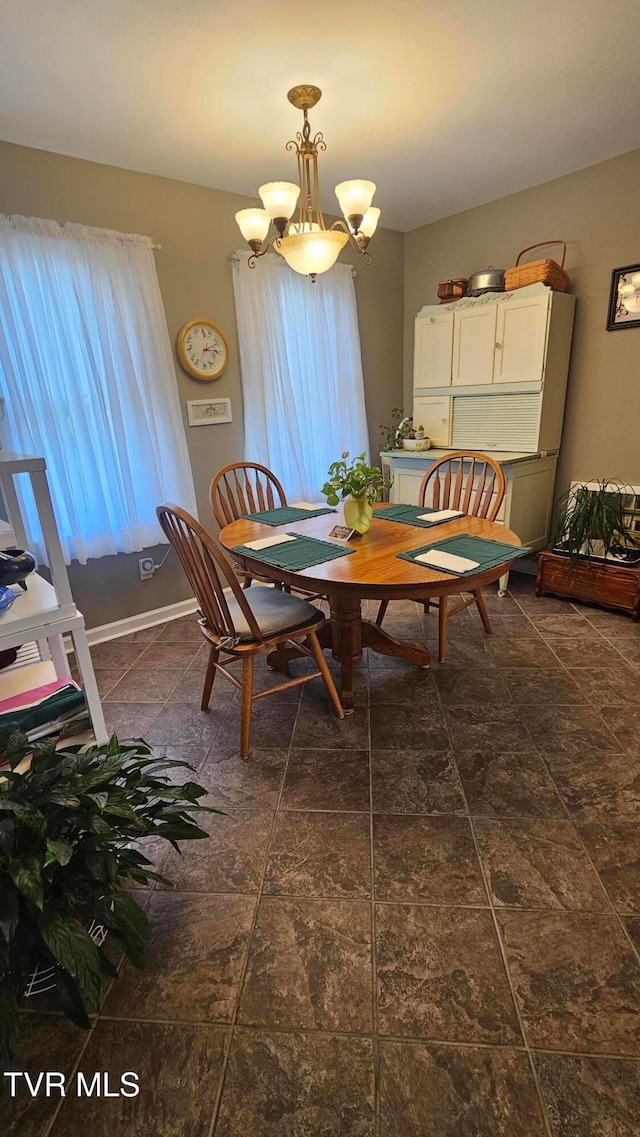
(591, 523)
(358, 485)
(69, 824)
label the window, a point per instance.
(302, 382)
(89, 383)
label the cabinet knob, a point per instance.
(498, 346)
(432, 319)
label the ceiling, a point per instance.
(443, 104)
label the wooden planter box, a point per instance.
(612, 586)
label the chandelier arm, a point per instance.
(316, 192)
(358, 240)
(261, 252)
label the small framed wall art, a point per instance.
(208, 412)
(624, 300)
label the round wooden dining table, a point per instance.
(373, 572)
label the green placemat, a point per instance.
(410, 515)
(487, 553)
(286, 515)
(294, 555)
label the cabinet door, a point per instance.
(521, 335)
(474, 337)
(434, 414)
(433, 346)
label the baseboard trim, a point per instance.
(142, 620)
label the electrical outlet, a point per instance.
(146, 567)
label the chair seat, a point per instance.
(274, 611)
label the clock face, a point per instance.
(202, 349)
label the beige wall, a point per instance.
(596, 212)
(198, 234)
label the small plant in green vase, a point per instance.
(70, 825)
(358, 486)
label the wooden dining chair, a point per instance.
(241, 488)
(475, 484)
(241, 623)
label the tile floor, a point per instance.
(423, 921)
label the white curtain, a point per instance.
(89, 382)
(302, 383)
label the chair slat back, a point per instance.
(208, 571)
(465, 480)
(241, 488)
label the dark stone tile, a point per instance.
(192, 756)
(450, 1091)
(624, 724)
(315, 693)
(320, 854)
(568, 729)
(469, 651)
(142, 635)
(426, 858)
(576, 979)
(130, 720)
(178, 1066)
(508, 785)
(297, 1085)
(317, 726)
(464, 685)
(497, 729)
(510, 625)
(232, 859)
(309, 966)
(542, 605)
(106, 678)
(416, 686)
(172, 655)
(185, 630)
(614, 849)
(597, 786)
(414, 781)
(522, 653)
(630, 651)
(590, 1097)
(155, 849)
(538, 864)
(115, 653)
(441, 976)
(183, 724)
(571, 625)
(140, 686)
(531, 686)
(233, 782)
(189, 684)
(46, 1042)
(606, 686)
(575, 652)
(404, 728)
(327, 779)
(632, 924)
(613, 625)
(195, 960)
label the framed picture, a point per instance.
(624, 301)
(206, 412)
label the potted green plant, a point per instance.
(595, 551)
(358, 485)
(70, 821)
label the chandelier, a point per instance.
(308, 245)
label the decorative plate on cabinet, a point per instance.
(202, 349)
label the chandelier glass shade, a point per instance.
(307, 243)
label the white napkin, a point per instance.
(440, 515)
(267, 542)
(448, 562)
(308, 505)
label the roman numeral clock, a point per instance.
(202, 349)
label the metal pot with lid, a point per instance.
(488, 280)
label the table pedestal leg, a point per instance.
(346, 634)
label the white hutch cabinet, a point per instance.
(490, 374)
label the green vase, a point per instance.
(358, 512)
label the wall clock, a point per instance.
(202, 349)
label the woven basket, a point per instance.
(538, 272)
